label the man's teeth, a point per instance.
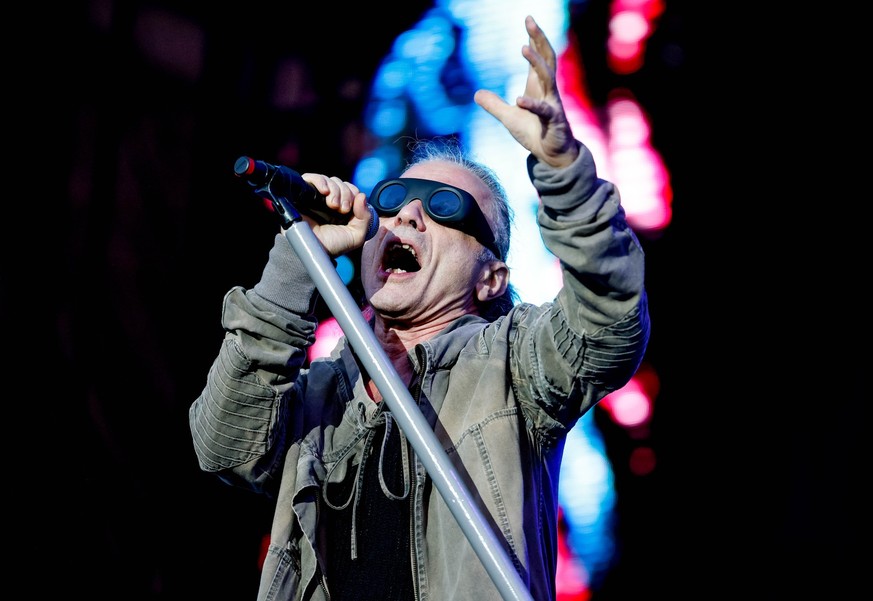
(407, 248)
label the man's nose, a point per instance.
(412, 213)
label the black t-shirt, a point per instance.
(383, 568)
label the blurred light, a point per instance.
(586, 494)
(642, 461)
(632, 405)
(637, 169)
(571, 577)
(390, 80)
(628, 28)
(388, 118)
(382, 163)
(430, 41)
(631, 24)
(327, 334)
(345, 268)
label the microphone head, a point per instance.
(374, 222)
(244, 166)
(257, 173)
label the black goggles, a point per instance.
(445, 204)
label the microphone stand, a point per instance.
(403, 408)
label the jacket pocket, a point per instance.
(280, 576)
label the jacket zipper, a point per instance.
(322, 579)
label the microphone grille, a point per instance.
(244, 166)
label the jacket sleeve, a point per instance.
(237, 421)
(592, 338)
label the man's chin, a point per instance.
(389, 304)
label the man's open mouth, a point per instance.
(400, 258)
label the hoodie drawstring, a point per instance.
(369, 434)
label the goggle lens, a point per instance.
(391, 196)
(445, 204)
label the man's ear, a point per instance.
(493, 280)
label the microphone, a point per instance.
(292, 196)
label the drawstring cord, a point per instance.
(357, 487)
(404, 454)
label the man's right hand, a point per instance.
(343, 197)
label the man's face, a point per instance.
(418, 270)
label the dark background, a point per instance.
(125, 227)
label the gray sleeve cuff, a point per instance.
(285, 281)
(564, 191)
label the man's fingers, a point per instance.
(492, 103)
